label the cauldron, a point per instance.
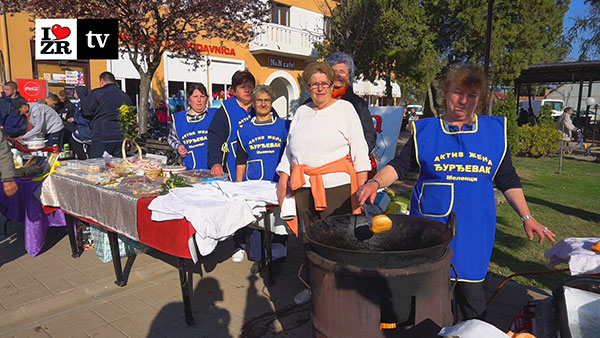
(363, 282)
(412, 240)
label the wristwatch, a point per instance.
(526, 217)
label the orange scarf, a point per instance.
(317, 188)
(339, 93)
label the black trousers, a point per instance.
(55, 138)
(470, 301)
(80, 149)
(98, 148)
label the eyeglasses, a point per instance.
(262, 100)
(315, 85)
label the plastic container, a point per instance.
(176, 169)
(195, 176)
(93, 165)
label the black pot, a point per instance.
(412, 240)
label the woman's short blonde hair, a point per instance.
(260, 90)
(317, 67)
(467, 76)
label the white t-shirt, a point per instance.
(318, 137)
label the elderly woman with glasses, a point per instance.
(260, 144)
(326, 156)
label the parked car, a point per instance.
(536, 105)
(416, 108)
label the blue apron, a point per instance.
(457, 173)
(264, 145)
(236, 116)
(193, 135)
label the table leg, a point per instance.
(268, 248)
(6, 221)
(70, 220)
(185, 279)
(113, 241)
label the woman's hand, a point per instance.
(181, 150)
(283, 189)
(531, 225)
(367, 192)
(217, 170)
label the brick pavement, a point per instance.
(54, 295)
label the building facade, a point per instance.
(276, 57)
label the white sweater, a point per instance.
(319, 137)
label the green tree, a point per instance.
(524, 32)
(586, 29)
(386, 38)
(508, 109)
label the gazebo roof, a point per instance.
(564, 72)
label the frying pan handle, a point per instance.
(453, 285)
(451, 223)
(302, 279)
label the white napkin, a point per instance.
(288, 208)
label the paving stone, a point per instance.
(131, 304)
(142, 322)
(24, 281)
(158, 293)
(73, 318)
(105, 330)
(109, 311)
(24, 296)
(178, 328)
(77, 278)
(34, 332)
(57, 285)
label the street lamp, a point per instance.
(590, 101)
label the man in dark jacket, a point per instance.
(101, 108)
(66, 110)
(13, 123)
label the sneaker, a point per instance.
(303, 297)
(238, 256)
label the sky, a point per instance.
(576, 8)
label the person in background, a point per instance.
(260, 144)
(460, 156)
(343, 66)
(13, 123)
(44, 122)
(189, 131)
(7, 168)
(81, 138)
(66, 110)
(565, 125)
(326, 142)
(222, 133)
(162, 113)
(51, 101)
(222, 139)
(101, 108)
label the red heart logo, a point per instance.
(60, 32)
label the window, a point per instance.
(280, 14)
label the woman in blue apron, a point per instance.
(189, 131)
(260, 144)
(222, 133)
(461, 155)
(222, 138)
